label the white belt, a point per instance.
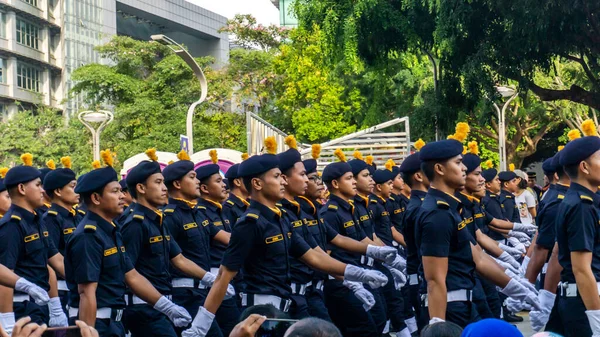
(187, 283)
(18, 298)
(137, 300)
(319, 285)
(413, 279)
(300, 289)
(259, 299)
(459, 295)
(545, 268)
(570, 289)
(214, 271)
(367, 260)
(62, 285)
(395, 244)
(101, 313)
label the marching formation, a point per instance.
(182, 251)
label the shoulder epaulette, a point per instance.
(169, 210)
(252, 216)
(332, 207)
(16, 217)
(392, 199)
(52, 212)
(230, 202)
(138, 216)
(373, 201)
(586, 199)
(89, 228)
(560, 196)
(443, 204)
(201, 207)
(80, 211)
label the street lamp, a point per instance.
(96, 121)
(181, 52)
(511, 94)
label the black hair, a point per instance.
(248, 180)
(170, 186)
(51, 194)
(428, 167)
(267, 310)
(11, 189)
(409, 178)
(523, 184)
(132, 190)
(441, 329)
(572, 171)
(549, 176)
(87, 197)
(314, 327)
(560, 172)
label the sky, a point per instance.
(263, 10)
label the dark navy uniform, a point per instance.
(509, 206)
(26, 249)
(126, 213)
(493, 207)
(96, 254)
(549, 195)
(150, 249)
(228, 314)
(233, 208)
(190, 229)
(345, 308)
(441, 232)
(396, 205)
(576, 230)
(40, 211)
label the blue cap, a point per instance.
(556, 161)
(2, 186)
(491, 327)
(578, 150)
(471, 161)
(288, 159)
(227, 185)
(257, 165)
(440, 150)
(177, 170)
(335, 171)
(232, 172)
(58, 178)
(21, 174)
(358, 165)
(395, 171)
(372, 168)
(140, 172)
(206, 171)
(489, 174)
(548, 165)
(382, 176)
(44, 171)
(123, 184)
(507, 175)
(95, 180)
(411, 164)
(310, 165)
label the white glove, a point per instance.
(436, 320)
(7, 321)
(208, 279)
(594, 318)
(520, 292)
(386, 254)
(373, 278)
(540, 318)
(513, 272)
(514, 305)
(230, 291)
(57, 315)
(506, 258)
(178, 315)
(519, 236)
(517, 244)
(361, 293)
(398, 263)
(525, 228)
(512, 251)
(39, 295)
(200, 325)
(524, 265)
(399, 277)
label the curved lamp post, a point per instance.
(511, 94)
(181, 52)
(96, 121)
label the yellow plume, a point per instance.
(511, 167)
(66, 162)
(357, 155)
(290, 141)
(560, 147)
(589, 128)
(107, 157)
(389, 164)
(464, 150)
(170, 162)
(369, 160)
(51, 164)
(27, 159)
(473, 147)
(340, 154)
(96, 164)
(451, 137)
(574, 134)
(151, 153)
(419, 144)
(461, 131)
(3, 172)
(316, 151)
(489, 164)
(245, 156)
(182, 155)
(271, 145)
(213, 156)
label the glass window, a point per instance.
(31, 2)
(28, 77)
(2, 71)
(28, 34)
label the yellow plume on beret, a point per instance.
(245, 156)
(369, 160)
(51, 164)
(170, 162)
(107, 157)
(214, 158)
(182, 155)
(27, 159)
(96, 164)
(589, 128)
(271, 145)
(389, 164)
(511, 167)
(3, 172)
(357, 155)
(66, 162)
(473, 147)
(290, 141)
(560, 147)
(315, 151)
(151, 153)
(461, 132)
(489, 164)
(574, 134)
(419, 144)
(464, 150)
(340, 154)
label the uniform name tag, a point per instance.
(32, 237)
(190, 226)
(274, 238)
(156, 239)
(386, 213)
(110, 251)
(461, 225)
(68, 231)
(348, 224)
(218, 223)
(362, 218)
(399, 210)
(312, 223)
(479, 215)
(468, 220)
(297, 223)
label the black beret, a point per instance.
(358, 165)
(335, 171)
(411, 164)
(206, 171)
(556, 161)
(579, 149)
(226, 182)
(95, 180)
(489, 174)
(310, 165)
(44, 171)
(395, 171)
(140, 172)
(382, 176)
(21, 174)
(471, 161)
(507, 175)
(531, 174)
(288, 159)
(123, 184)
(233, 172)
(177, 170)
(548, 166)
(372, 168)
(2, 186)
(58, 178)
(440, 150)
(257, 165)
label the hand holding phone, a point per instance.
(274, 327)
(248, 327)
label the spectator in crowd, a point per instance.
(442, 329)
(491, 327)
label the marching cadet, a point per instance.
(578, 238)
(212, 191)
(151, 251)
(60, 220)
(550, 174)
(4, 197)
(448, 251)
(97, 265)
(236, 204)
(129, 202)
(396, 204)
(510, 184)
(190, 229)
(50, 166)
(262, 242)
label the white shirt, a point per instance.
(524, 201)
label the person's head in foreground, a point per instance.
(313, 327)
(441, 329)
(491, 327)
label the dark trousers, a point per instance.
(492, 297)
(39, 313)
(143, 320)
(568, 317)
(228, 315)
(415, 301)
(64, 300)
(316, 304)
(299, 307)
(191, 299)
(393, 301)
(480, 300)
(348, 314)
(460, 313)
(105, 327)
